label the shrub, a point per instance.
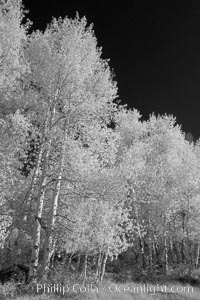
(8, 289)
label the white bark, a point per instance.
(41, 195)
(98, 267)
(165, 253)
(197, 257)
(103, 266)
(51, 226)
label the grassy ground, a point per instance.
(126, 291)
(116, 286)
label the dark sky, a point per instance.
(153, 46)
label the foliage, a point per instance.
(79, 174)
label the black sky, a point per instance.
(154, 49)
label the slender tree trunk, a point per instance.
(177, 250)
(69, 262)
(40, 201)
(50, 231)
(183, 250)
(50, 235)
(37, 230)
(172, 254)
(141, 253)
(98, 267)
(155, 248)
(150, 242)
(103, 266)
(188, 246)
(153, 251)
(52, 262)
(85, 269)
(51, 227)
(51, 253)
(150, 254)
(197, 257)
(183, 238)
(165, 254)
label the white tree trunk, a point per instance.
(85, 268)
(165, 253)
(98, 266)
(40, 198)
(197, 257)
(103, 266)
(51, 226)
